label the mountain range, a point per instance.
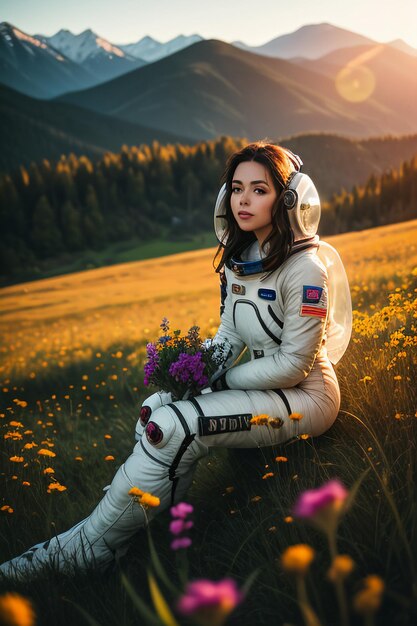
(191, 89)
(45, 67)
(213, 88)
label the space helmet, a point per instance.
(299, 196)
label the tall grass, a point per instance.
(72, 384)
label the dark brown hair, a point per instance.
(278, 164)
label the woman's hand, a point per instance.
(155, 401)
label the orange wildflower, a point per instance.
(45, 452)
(259, 420)
(56, 487)
(17, 459)
(15, 610)
(148, 500)
(296, 559)
(136, 492)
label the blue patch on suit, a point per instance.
(267, 294)
(311, 294)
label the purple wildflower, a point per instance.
(210, 602)
(189, 367)
(178, 526)
(311, 502)
(165, 324)
(181, 510)
(181, 543)
(152, 364)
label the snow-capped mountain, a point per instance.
(96, 54)
(81, 47)
(150, 49)
(36, 68)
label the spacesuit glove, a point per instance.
(153, 402)
(218, 381)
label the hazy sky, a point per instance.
(252, 21)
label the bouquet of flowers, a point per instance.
(182, 364)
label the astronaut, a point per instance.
(286, 301)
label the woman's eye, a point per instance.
(235, 189)
(261, 190)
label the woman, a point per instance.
(274, 302)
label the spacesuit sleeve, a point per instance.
(304, 295)
(226, 332)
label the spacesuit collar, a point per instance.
(256, 266)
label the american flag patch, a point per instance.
(313, 311)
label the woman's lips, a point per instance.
(244, 215)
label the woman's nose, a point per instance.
(244, 198)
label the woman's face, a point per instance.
(252, 199)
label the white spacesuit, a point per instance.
(290, 322)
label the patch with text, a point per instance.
(218, 424)
(267, 294)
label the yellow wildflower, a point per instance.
(296, 416)
(340, 568)
(259, 420)
(368, 600)
(13, 434)
(15, 424)
(30, 445)
(267, 475)
(296, 559)
(136, 492)
(107, 436)
(6, 508)
(281, 459)
(49, 470)
(45, 452)
(148, 500)
(256, 499)
(289, 519)
(21, 403)
(26, 483)
(56, 487)
(17, 459)
(15, 610)
(109, 457)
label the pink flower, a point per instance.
(313, 501)
(178, 526)
(181, 543)
(210, 602)
(181, 510)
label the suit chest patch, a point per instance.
(267, 294)
(238, 289)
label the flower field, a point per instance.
(73, 351)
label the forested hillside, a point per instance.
(155, 192)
